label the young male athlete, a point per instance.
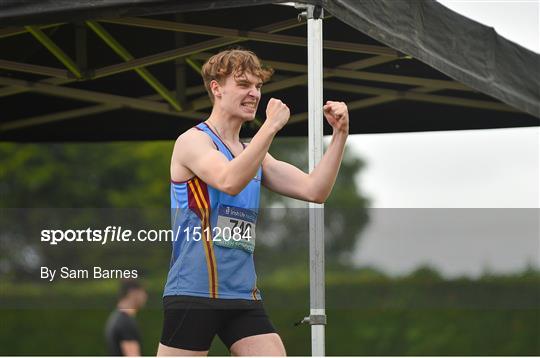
(212, 286)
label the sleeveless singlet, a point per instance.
(213, 267)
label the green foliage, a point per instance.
(136, 175)
(426, 273)
(84, 175)
(118, 176)
(286, 238)
(368, 314)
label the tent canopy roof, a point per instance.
(128, 70)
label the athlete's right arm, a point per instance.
(195, 151)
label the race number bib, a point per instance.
(235, 228)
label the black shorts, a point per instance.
(192, 322)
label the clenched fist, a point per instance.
(277, 114)
(337, 115)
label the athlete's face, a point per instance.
(239, 96)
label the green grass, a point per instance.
(377, 316)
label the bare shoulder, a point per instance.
(189, 144)
(193, 136)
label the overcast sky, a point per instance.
(496, 168)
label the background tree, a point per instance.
(284, 230)
(127, 184)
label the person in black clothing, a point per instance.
(121, 331)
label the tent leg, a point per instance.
(317, 317)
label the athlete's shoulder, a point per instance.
(194, 137)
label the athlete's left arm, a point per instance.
(288, 180)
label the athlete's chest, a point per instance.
(234, 149)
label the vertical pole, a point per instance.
(317, 317)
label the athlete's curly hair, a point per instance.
(236, 61)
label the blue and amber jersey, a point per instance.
(202, 267)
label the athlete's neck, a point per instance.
(127, 307)
(226, 126)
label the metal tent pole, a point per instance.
(317, 317)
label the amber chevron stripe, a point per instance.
(196, 187)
